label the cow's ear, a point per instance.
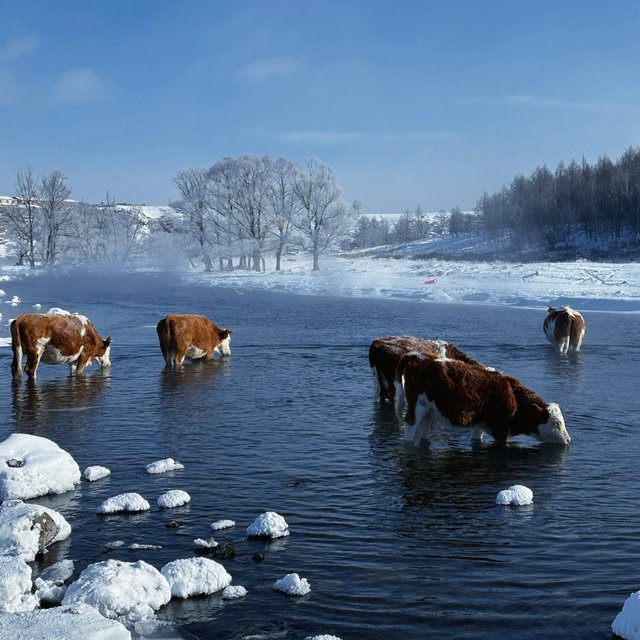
(106, 342)
(550, 308)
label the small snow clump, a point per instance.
(31, 466)
(233, 592)
(124, 502)
(173, 498)
(200, 543)
(268, 525)
(517, 495)
(293, 585)
(96, 473)
(222, 524)
(323, 637)
(162, 466)
(131, 590)
(195, 576)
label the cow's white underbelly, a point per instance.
(194, 353)
(51, 355)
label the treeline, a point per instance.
(599, 202)
(227, 216)
(410, 226)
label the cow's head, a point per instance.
(102, 357)
(553, 430)
(225, 341)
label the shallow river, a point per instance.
(396, 542)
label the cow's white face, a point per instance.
(225, 346)
(104, 360)
(553, 430)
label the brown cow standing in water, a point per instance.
(63, 338)
(460, 394)
(564, 328)
(191, 336)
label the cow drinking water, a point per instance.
(63, 338)
(191, 336)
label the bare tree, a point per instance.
(52, 199)
(195, 207)
(283, 204)
(23, 218)
(322, 216)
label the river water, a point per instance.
(396, 542)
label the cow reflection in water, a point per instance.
(200, 374)
(33, 402)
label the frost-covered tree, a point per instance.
(53, 199)
(283, 204)
(322, 216)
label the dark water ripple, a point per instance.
(397, 542)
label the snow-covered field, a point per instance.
(584, 285)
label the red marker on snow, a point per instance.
(432, 281)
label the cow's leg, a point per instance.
(179, 356)
(16, 363)
(33, 359)
(399, 399)
(377, 389)
(79, 365)
(423, 413)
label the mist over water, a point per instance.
(396, 542)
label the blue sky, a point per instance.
(412, 103)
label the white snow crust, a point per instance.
(233, 592)
(222, 524)
(268, 525)
(124, 502)
(96, 472)
(162, 466)
(15, 585)
(195, 576)
(128, 590)
(44, 468)
(293, 585)
(516, 495)
(173, 498)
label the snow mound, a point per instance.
(268, 525)
(96, 473)
(130, 590)
(162, 466)
(71, 623)
(15, 586)
(31, 466)
(627, 623)
(27, 529)
(234, 592)
(173, 498)
(195, 576)
(293, 585)
(124, 502)
(222, 524)
(517, 495)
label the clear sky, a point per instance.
(412, 102)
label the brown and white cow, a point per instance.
(61, 338)
(564, 328)
(457, 393)
(191, 336)
(385, 354)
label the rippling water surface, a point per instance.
(396, 542)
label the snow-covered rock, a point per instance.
(233, 592)
(200, 543)
(15, 586)
(31, 466)
(130, 590)
(80, 622)
(162, 466)
(293, 585)
(124, 502)
(195, 576)
(173, 498)
(27, 529)
(627, 623)
(222, 524)
(268, 525)
(517, 495)
(96, 472)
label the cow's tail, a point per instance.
(16, 347)
(164, 336)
